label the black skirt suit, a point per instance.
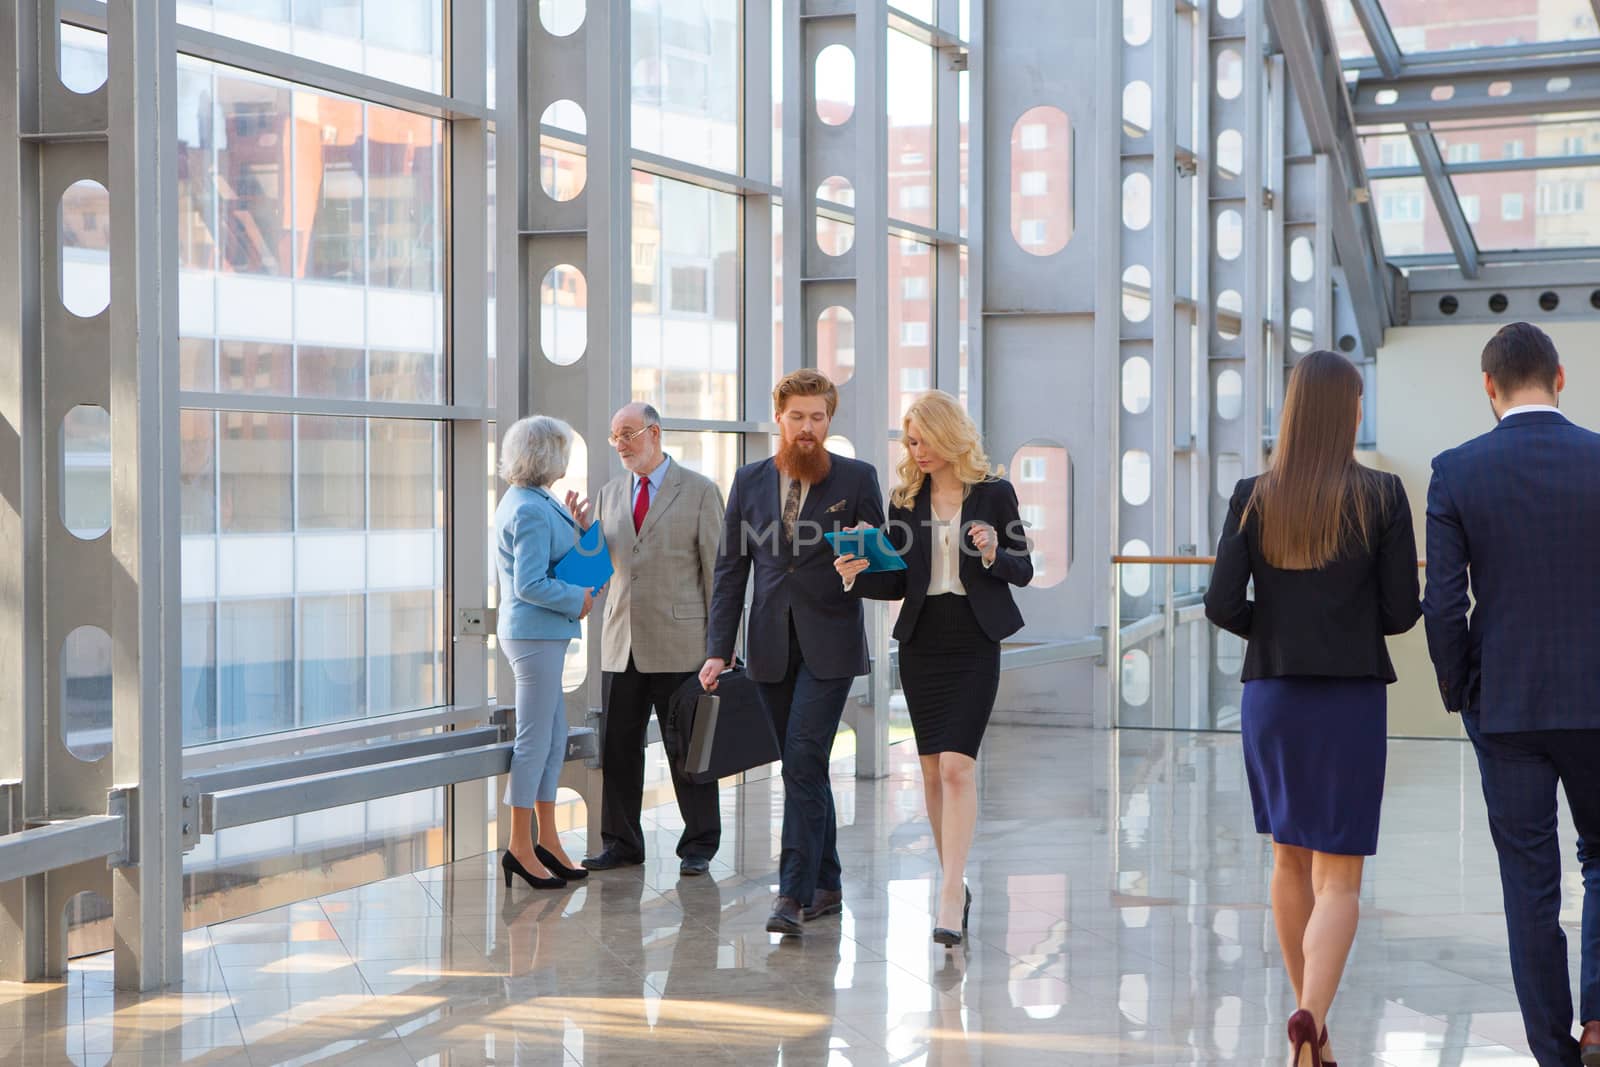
(949, 643)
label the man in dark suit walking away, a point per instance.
(1514, 516)
(806, 640)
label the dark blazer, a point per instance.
(1519, 510)
(988, 588)
(1330, 622)
(797, 580)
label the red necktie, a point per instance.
(641, 504)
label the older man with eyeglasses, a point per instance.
(663, 526)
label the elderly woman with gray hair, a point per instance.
(538, 618)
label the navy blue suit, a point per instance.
(1514, 516)
(805, 642)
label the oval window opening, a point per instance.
(1136, 385)
(1041, 473)
(1136, 477)
(564, 314)
(1301, 323)
(1135, 576)
(835, 84)
(1230, 154)
(86, 693)
(1230, 314)
(835, 236)
(1041, 181)
(1136, 201)
(836, 343)
(561, 18)
(1136, 108)
(1230, 234)
(81, 59)
(1136, 21)
(1136, 293)
(1136, 677)
(86, 471)
(84, 227)
(1230, 74)
(563, 163)
(1230, 395)
(1302, 262)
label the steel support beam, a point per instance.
(1313, 65)
(62, 844)
(1445, 200)
(1375, 24)
(146, 630)
(1475, 91)
(226, 778)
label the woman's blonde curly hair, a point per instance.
(944, 425)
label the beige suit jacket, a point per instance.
(658, 599)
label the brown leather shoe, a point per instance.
(823, 902)
(785, 918)
(1589, 1044)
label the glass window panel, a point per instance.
(777, 93)
(330, 490)
(964, 116)
(415, 377)
(686, 88)
(963, 327)
(332, 659)
(197, 364)
(715, 455)
(406, 650)
(199, 673)
(395, 40)
(333, 207)
(255, 667)
(197, 474)
(255, 367)
(332, 372)
(1347, 32)
(405, 489)
(917, 9)
(255, 461)
(912, 144)
(1041, 141)
(1407, 220)
(1449, 25)
(1552, 207)
(686, 298)
(911, 340)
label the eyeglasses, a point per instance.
(626, 438)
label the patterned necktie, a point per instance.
(791, 510)
(641, 504)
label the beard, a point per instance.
(808, 465)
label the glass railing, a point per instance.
(1175, 670)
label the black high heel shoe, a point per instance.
(556, 867)
(953, 938)
(510, 865)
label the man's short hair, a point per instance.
(1521, 355)
(806, 382)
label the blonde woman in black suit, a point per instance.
(957, 525)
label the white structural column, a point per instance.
(147, 896)
(22, 798)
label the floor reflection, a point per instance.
(1120, 917)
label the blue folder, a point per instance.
(589, 563)
(870, 545)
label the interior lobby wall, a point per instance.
(1430, 398)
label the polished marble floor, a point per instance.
(1120, 918)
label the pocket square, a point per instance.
(836, 507)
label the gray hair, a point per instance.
(535, 451)
(647, 413)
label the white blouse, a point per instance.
(946, 570)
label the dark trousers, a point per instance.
(1520, 772)
(629, 695)
(805, 713)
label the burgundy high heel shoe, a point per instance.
(1303, 1034)
(1326, 1063)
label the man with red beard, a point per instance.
(806, 641)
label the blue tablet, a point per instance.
(870, 545)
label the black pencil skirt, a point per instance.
(950, 671)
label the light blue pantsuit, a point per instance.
(541, 744)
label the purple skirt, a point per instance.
(1314, 755)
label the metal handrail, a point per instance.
(1185, 560)
(61, 844)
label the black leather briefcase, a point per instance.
(713, 735)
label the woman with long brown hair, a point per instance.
(1330, 547)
